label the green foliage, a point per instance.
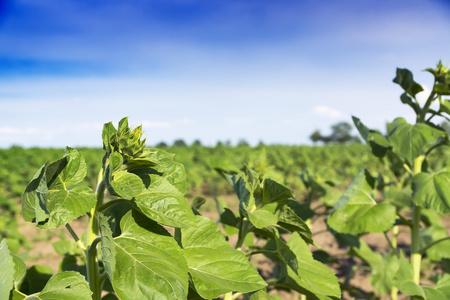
(416, 190)
(126, 243)
(266, 208)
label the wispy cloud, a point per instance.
(325, 111)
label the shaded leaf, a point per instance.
(274, 192)
(405, 79)
(289, 220)
(432, 190)
(65, 285)
(52, 198)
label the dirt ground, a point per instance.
(44, 254)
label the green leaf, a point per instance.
(107, 246)
(404, 279)
(405, 79)
(65, 285)
(274, 192)
(410, 141)
(108, 135)
(53, 197)
(358, 212)
(20, 270)
(215, 267)
(36, 278)
(227, 217)
(379, 143)
(399, 197)
(165, 204)
(148, 261)
(311, 275)
(443, 285)
(289, 220)
(8, 270)
(262, 218)
(263, 295)
(431, 234)
(444, 106)
(198, 202)
(176, 176)
(66, 247)
(433, 294)
(364, 252)
(407, 100)
(383, 268)
(34, 200)
(432, 190)
(127, 185)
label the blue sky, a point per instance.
(271, 71)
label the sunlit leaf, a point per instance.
(358, 212)
(215, 267)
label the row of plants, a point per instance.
(145, 241)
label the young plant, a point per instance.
(408, 149)
(143, 238)
(269, 214)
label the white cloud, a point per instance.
(325, 111)
(7, 130)
(155, 125)
(240, 120)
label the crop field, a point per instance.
(363, 220)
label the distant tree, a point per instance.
(315, 136)
(197, 143)
(179, 143)
(242, 143)
(161, 145)
(340, 135)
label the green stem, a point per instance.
(244, 226)
(424, 110)
(259, 252)
(391, 245)
(75, 237)
(394, 236)
(394, 293)
(92, 272)
(92, 241)
(416, 256)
